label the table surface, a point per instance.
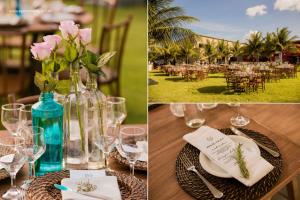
(280, 122)
(114, 165)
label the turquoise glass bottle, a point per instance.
(48, 114)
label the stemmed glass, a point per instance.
(132, 141)
(116, 111)
(13, 162)
(25, 116)
(10, 117)
(34, 148)
(238, 120)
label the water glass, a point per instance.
(25, 115)
(193, 115)
(116, 110)
(238, 120)
(177, 109)
(13, 162)
(10, 117)
(132, 141)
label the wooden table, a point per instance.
(278, 122)
(114, 165)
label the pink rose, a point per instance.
(85, 35)
(52, 40)
(41, 51)
(68, 29)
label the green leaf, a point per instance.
(71, 53)
(39, 81)
(63, 86)
(104, 58)
(89, 57)
(92, 68)
(64, 64)
(50, 83)
(48, 66)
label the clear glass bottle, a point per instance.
(96, 120)
(48, 114)
(76, 140)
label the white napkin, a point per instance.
(106, 185)
(222, 150)
(142, 145)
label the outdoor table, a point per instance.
(285, 69)
(278, 122)
(113, 164)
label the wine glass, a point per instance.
(34, 148)
(116, 110)
(12, 162)
(132, 141)
(10, 117)
(25, 116)
(238, 120)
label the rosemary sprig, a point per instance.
(241, 162)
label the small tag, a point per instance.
(79, 174)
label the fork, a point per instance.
(190, 167)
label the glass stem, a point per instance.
(106, 160)
(13, 180)
(132, 168)
(31, 170)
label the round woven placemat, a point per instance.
(4, 151)
(139, 165)
(232, 189)
(42, 187)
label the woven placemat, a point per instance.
(232, 189)
(139, 165)
(42, 187)
(4, 151)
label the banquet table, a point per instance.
(114, 165)
(280, 122)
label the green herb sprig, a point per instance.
(241, 162)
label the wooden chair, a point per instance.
(117, 34)
(14, 80)
(25, 100)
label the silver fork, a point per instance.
(190, 167)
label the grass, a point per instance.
(134, 70)
(213, 89)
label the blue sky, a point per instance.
(228, 19)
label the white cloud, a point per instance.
(292, 5)
(256, 10)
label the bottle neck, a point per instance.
(47, 96)
(76, 83)
(92, 81)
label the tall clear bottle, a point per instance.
(76, 138)
(96, 121)
(48, 114)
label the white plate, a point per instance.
(213, 169)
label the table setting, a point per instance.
(68, 136)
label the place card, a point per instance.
(79, 174)
(222, 150)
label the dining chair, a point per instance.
(24, 100)
(14, 76)
(117, 34)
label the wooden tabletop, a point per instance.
(278, 122)
(114, 165)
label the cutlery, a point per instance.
(65, 188)
(240, 133)
(190, 167)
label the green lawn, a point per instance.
(213, 89)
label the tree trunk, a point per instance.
(280, 57)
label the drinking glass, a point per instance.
(238, 120)
(10, 117)
(132, 141)
(34, 148)
(116, 110)
(12, 162)
(177, 109)
(25, 116)
(193, 115)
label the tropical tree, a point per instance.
(222, 51)
(254, 46)
(269, 46)
(209, 50)
(166, 22)
(188, 51)
(236, 50)
(284, 41)
(174, 52)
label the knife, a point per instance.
(240, 133)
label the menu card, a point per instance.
(222, 150)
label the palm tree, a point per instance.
(284, 41)
(236, 50)
(222, 51)
(209, 50)
(188, 50)
(174, 51)
(165, 22)
(269, 46)
(254, 46)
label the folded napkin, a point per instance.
(142, 145)
(107, 185)
(222, 150)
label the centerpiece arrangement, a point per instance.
(69, 128)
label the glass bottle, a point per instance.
(48, 114)
(76, 140)
(96, 112)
